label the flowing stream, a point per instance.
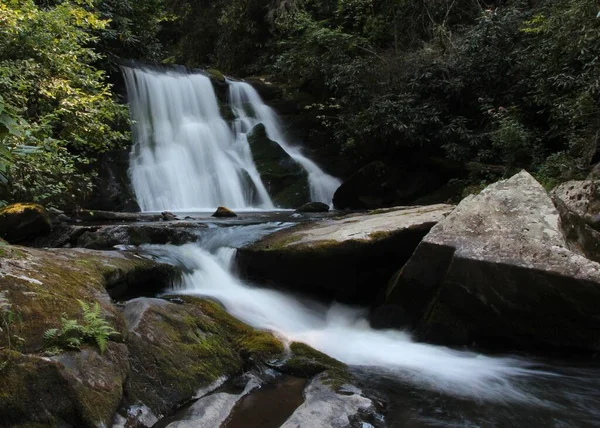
(186, 157)
(440, 382)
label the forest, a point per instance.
(480, 88)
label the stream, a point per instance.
(423, 385)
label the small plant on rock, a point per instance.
(94, 329)
(8, 317)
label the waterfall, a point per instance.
(186, 157)
(322, 185)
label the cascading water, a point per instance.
(243, 95)
(185, 155)
(444, 384)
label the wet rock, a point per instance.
(325, 407)
(313, 207)
(308, 362)
(80, 389)
(498, 270)
(107, 237)
(214, 409)
(285, 180)
(179, 349)
(348, 259)
(168, 216)
(377, 185)
(223, 212)
(21, 222)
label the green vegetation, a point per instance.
(94, 329)
(500, 85)
(8, 317)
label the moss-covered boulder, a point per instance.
(349, 259)
(179, 348)
(81, 389)
(38, 288)
(223, 212)
(498, 271)
(285, 180)
(42, 285)
(304, 361)
(21, 222)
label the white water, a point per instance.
(341, 331)
(242, 95)
(185, 157)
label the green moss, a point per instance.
(308, 362)
(216, 75)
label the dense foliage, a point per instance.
(506, 84)
(509, 83)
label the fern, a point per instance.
(94, 330)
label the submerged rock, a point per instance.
(26, 221)
(313, 207)
(498, 271)
(348, 259)
(179, 349)
(223, 212)
(285, 180)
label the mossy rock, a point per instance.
(308, 362)
(215, 74)
(179, 348)
(23, 221)
(222, 212)
(80, 389)
(285, 180)
(42, 285)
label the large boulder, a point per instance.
(38, 289)
(348, 259)
(578, 203)
(313, 207)
(378, 185)
(76, 388)
(224, 212)
(285, 180)
(179, 349)
(498, 271)
(21, 222)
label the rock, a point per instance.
(348, 259)
(313, 207)
(580, 197)
(224, 212)
(578, 203)
(498, 271)
(76, 388)
(326, 407)
(376, 185)
(112, 186)
(99, 216)
(214, 409)
(308, 362)
(178, 349)
(42, 285)
(21, 222)
(167, 216)
(81, 389)
(285, 180)
(107, 237)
